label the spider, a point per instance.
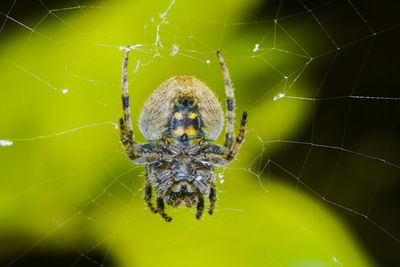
(180, 121)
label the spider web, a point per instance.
(317, 79)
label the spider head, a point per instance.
(181, 192)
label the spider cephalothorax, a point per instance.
(181, 119)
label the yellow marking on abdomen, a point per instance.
(191, 131)
(179, 131)
(178, 115)
(192, 115)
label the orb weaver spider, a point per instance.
(180, 121)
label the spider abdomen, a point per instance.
(182, 105)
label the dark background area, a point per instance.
(367, 184)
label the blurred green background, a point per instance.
(70, 197)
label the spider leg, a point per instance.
(126, 139)
(147, 197)
(137, 153)
(213, 198)
(230, 103)
(125, 125)
(217, 156)
(200, 207)
(145, 158)
(239, 139)
(160, 207)
(217, 149)
(215, 160)
(125, 96)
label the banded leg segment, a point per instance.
(147, 197)
(161, 208)
(200, 207)
(127, 137)
(239, 138)
(125, 95)
(213, 198)
(126, 140)
(215, 158)
(230, 103)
